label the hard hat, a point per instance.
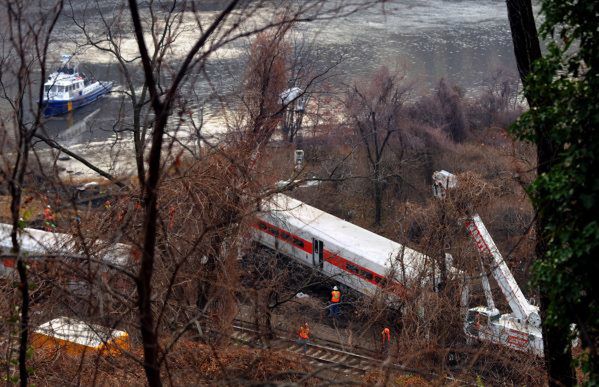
(335, 288)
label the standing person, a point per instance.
(335, 300)
(304, 336)
(386, 337)
(49, 224)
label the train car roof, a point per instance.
(355, 239)
(38, 242)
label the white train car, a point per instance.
(39, 244)
(356, 257)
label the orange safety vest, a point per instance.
(48, 214)
(386, 333)
(335, 296)
(304, 332)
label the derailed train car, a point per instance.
(43, 247)
(351, 255)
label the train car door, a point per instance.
(317, 252)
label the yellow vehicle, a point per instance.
(78, 337)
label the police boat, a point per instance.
(67, 89)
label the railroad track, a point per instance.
(330, 359)
(333, 362)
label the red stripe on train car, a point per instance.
(284, 236)
(334, 259)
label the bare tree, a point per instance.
(375, 113)
(25, 38)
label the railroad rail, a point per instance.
(335, 362)
(329, 358)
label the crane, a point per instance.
(520, 329)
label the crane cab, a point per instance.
(489, 325)
(479, 318)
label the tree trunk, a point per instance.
(139, 153)
(378, 196)
(556, 345)
(558, 357)
(16, 187)
(24, 326)
(524, 37)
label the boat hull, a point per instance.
(59, 107)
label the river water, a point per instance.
(460, 40)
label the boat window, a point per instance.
(46, 88)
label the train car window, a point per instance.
(352, 268)
(366, 275)
(298, 242)
(274, 231)
(360, 272)
(262, 225)
(285, 235)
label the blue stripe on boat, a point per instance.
(55, 108)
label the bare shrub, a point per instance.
(498, 103)
(450, 100)
(444, 109)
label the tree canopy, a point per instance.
(566, 195)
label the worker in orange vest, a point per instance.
(49, 219)
(304, 336)
(335, 300)
(386, 336)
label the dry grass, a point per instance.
(188, 363)
(378, 377)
